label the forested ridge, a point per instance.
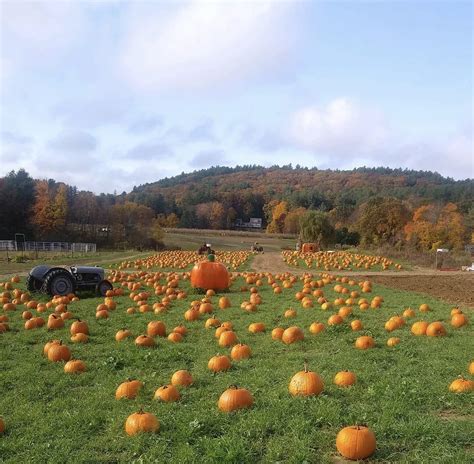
(374, 205)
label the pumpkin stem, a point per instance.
(234, 387)
(306, 365)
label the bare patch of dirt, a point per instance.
(457, 288)
(271, 262)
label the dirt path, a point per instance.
(272, 262)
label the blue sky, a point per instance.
(106, 95)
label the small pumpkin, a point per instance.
(458, 320)
(335, 319)
(235, 398)
(141, 422)
(356, 325)
(59, 352)
(419, 328)
(345, 378)
(306, 383)
(80, 338)
(128, 389)
(122, 334)
(471, 367)
(292, 335)
(393, 341)
(257, 327)
(48, 345)
(435, 329)
(240, 351)
(156, 329)
(55, 322)
(461, 385)
(356, 442)
(144, 340)
(227, 338)
(277, 333)
(74, 366)
(316, 327)
(175, 337)
(219, 363)
(182, 378)
(167, 393)
(79, 327)
(365, 342)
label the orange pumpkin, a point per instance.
(141, 422)
(235, 398)
(167, 393)
(356, 442)
(365, 342)
(435, 329)
(306, 383)
(210, 275)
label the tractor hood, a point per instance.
(87, 270)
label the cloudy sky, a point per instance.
(106, 95)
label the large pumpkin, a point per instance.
(210, 275)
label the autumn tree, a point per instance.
(383, 220)
(291, 224)
(60, 208)
(316, 227)
(433, 226)
(217, 215)
(43, 211)
(279, 213)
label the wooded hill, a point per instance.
(372, 204)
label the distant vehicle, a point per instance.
(53, 280)
(256, 248)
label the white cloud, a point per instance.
(342, 128)
(35, 32)
(201, 44)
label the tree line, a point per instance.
(371, 206)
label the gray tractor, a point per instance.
(53, 280)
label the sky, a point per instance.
(107, 95)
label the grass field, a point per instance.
(103, 258)
(226, 240)
(401, 392)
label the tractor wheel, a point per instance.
(32, 284)
(58, 282)
(103, 286)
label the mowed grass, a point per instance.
(102, 257)
(226, 241)
(402, 392)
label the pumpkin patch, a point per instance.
(225, 355)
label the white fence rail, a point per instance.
(12, 245)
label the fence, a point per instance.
(12, 245)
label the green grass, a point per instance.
(102, 258)
(227, 241)
(401, 392)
